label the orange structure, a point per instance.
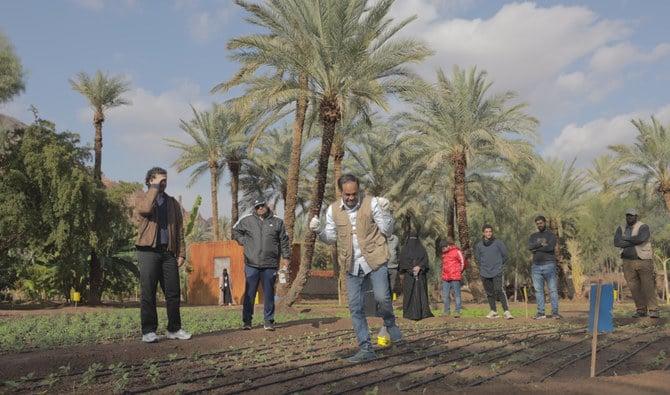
(208, 259)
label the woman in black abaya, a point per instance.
(413, 264)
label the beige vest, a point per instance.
(643, 250)
(371, 241)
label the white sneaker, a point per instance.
(150, 337)
(508, 315)
(492, 314)
(180, 335)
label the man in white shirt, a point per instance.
(360, 225)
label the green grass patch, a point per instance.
(67, 329)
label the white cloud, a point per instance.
(204, 25)
(150, 118)
(612, 58)
(522, 44)
(557, 58)
(586, 142)
(98, 5)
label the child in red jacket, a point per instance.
(453, 265)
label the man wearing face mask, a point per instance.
(543, 244)
(360, 225)
(634, 239)
(160, 251)
(263, 236)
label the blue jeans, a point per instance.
(541, 273)
(446, 295)
(380, 287)
(253, 276)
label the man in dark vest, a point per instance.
(160, 251)
(360, 225)
(634, 239)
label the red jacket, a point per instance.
(453, 264)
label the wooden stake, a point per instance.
(594, 340)
(525, 298)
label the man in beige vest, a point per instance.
(360, 225)
(634, 239)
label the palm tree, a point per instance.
(647, 161)
(13, 73)
(274, 48)
(205, 153)
(266, 169)
(230, 138)
(458, 121)
(559, 192)
(102, 92)
(605, 174)
(353, 61)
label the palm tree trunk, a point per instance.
(234, 167)
(95, 274)
(337, 152)
(566, 285)
(95, 280)
(293, 176)
(98, 119)
(330, 116)
(463, 231)
(665, 191)
(214, 190)
(451, 231)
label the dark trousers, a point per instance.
(253, 276)
(493, 288)
(158, 267)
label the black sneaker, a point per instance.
(640, 314)
(539, 316)
(362, 356)
(246, 327)
(269, 326)
(556, 316)
(654, 314)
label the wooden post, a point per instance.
(516, 284)
(525, 298)
(594, 340)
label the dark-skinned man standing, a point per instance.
(634, 239)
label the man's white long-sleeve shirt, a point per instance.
(382, 218)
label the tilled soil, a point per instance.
(437, 355)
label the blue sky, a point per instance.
(585, 68)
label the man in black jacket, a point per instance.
(265, 242)
(543, 245)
